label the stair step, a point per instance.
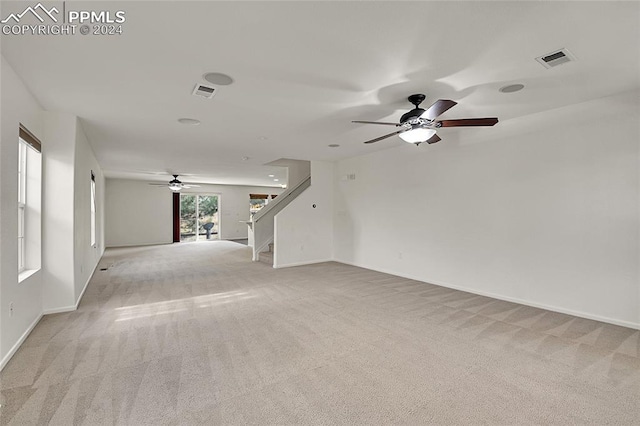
(266, 257)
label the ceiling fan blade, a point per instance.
(157, 184)
(433, 139)
(490, 121)
(376, 122)
(440, 106)
(188, 185)
(385, 136)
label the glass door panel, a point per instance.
(208, 217)
(188, 218)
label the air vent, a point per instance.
(556, 58)
(204, 91)
(350, 176)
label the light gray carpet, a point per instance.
(198, 334)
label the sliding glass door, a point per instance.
(199, 219)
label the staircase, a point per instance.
(261, 224)
(267, 256)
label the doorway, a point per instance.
(199, 219)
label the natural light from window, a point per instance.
(29, 202)
(146, 310)
(22, 202)
(93, 210)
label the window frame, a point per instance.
(93, 210)
(28, 262)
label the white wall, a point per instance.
(303, 231)
(66, 261)
(86, 256)
(18, 106)
(544, 211)
(58, 224)
(138, 214)
(297, 171)
(68, 258)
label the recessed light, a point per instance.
(333, 145)
(189, 121)
(512, 88)
(276, 180)
(271, 175)
(218, 78)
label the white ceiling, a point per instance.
(304, 70)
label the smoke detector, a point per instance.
(204, 91)
(556, 58)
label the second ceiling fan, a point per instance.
(420, 125)
(176, 185)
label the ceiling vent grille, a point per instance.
(204, 91)
(556, 58)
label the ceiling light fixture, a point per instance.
(175, 187)
(418, 135)
(512, 88)
(218, 78)
(189, 121)
(271, 175)
(419, 125)
(276, 180)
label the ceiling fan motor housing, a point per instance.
(413, 114)
(416, 99)
(417, 111)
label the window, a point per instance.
(29, 201)
(93, 210)
(22, 201)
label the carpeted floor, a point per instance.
(198, 334)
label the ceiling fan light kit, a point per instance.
(417, 135)
(420, 125)
(175, 185)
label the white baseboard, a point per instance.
(20, 341)
(15, 347)
(73, 307)
(87, 283)
(158, 243)
(308, 262)
(623, 323)
(59, 310)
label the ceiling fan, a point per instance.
(176, 185)
(420, 125)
